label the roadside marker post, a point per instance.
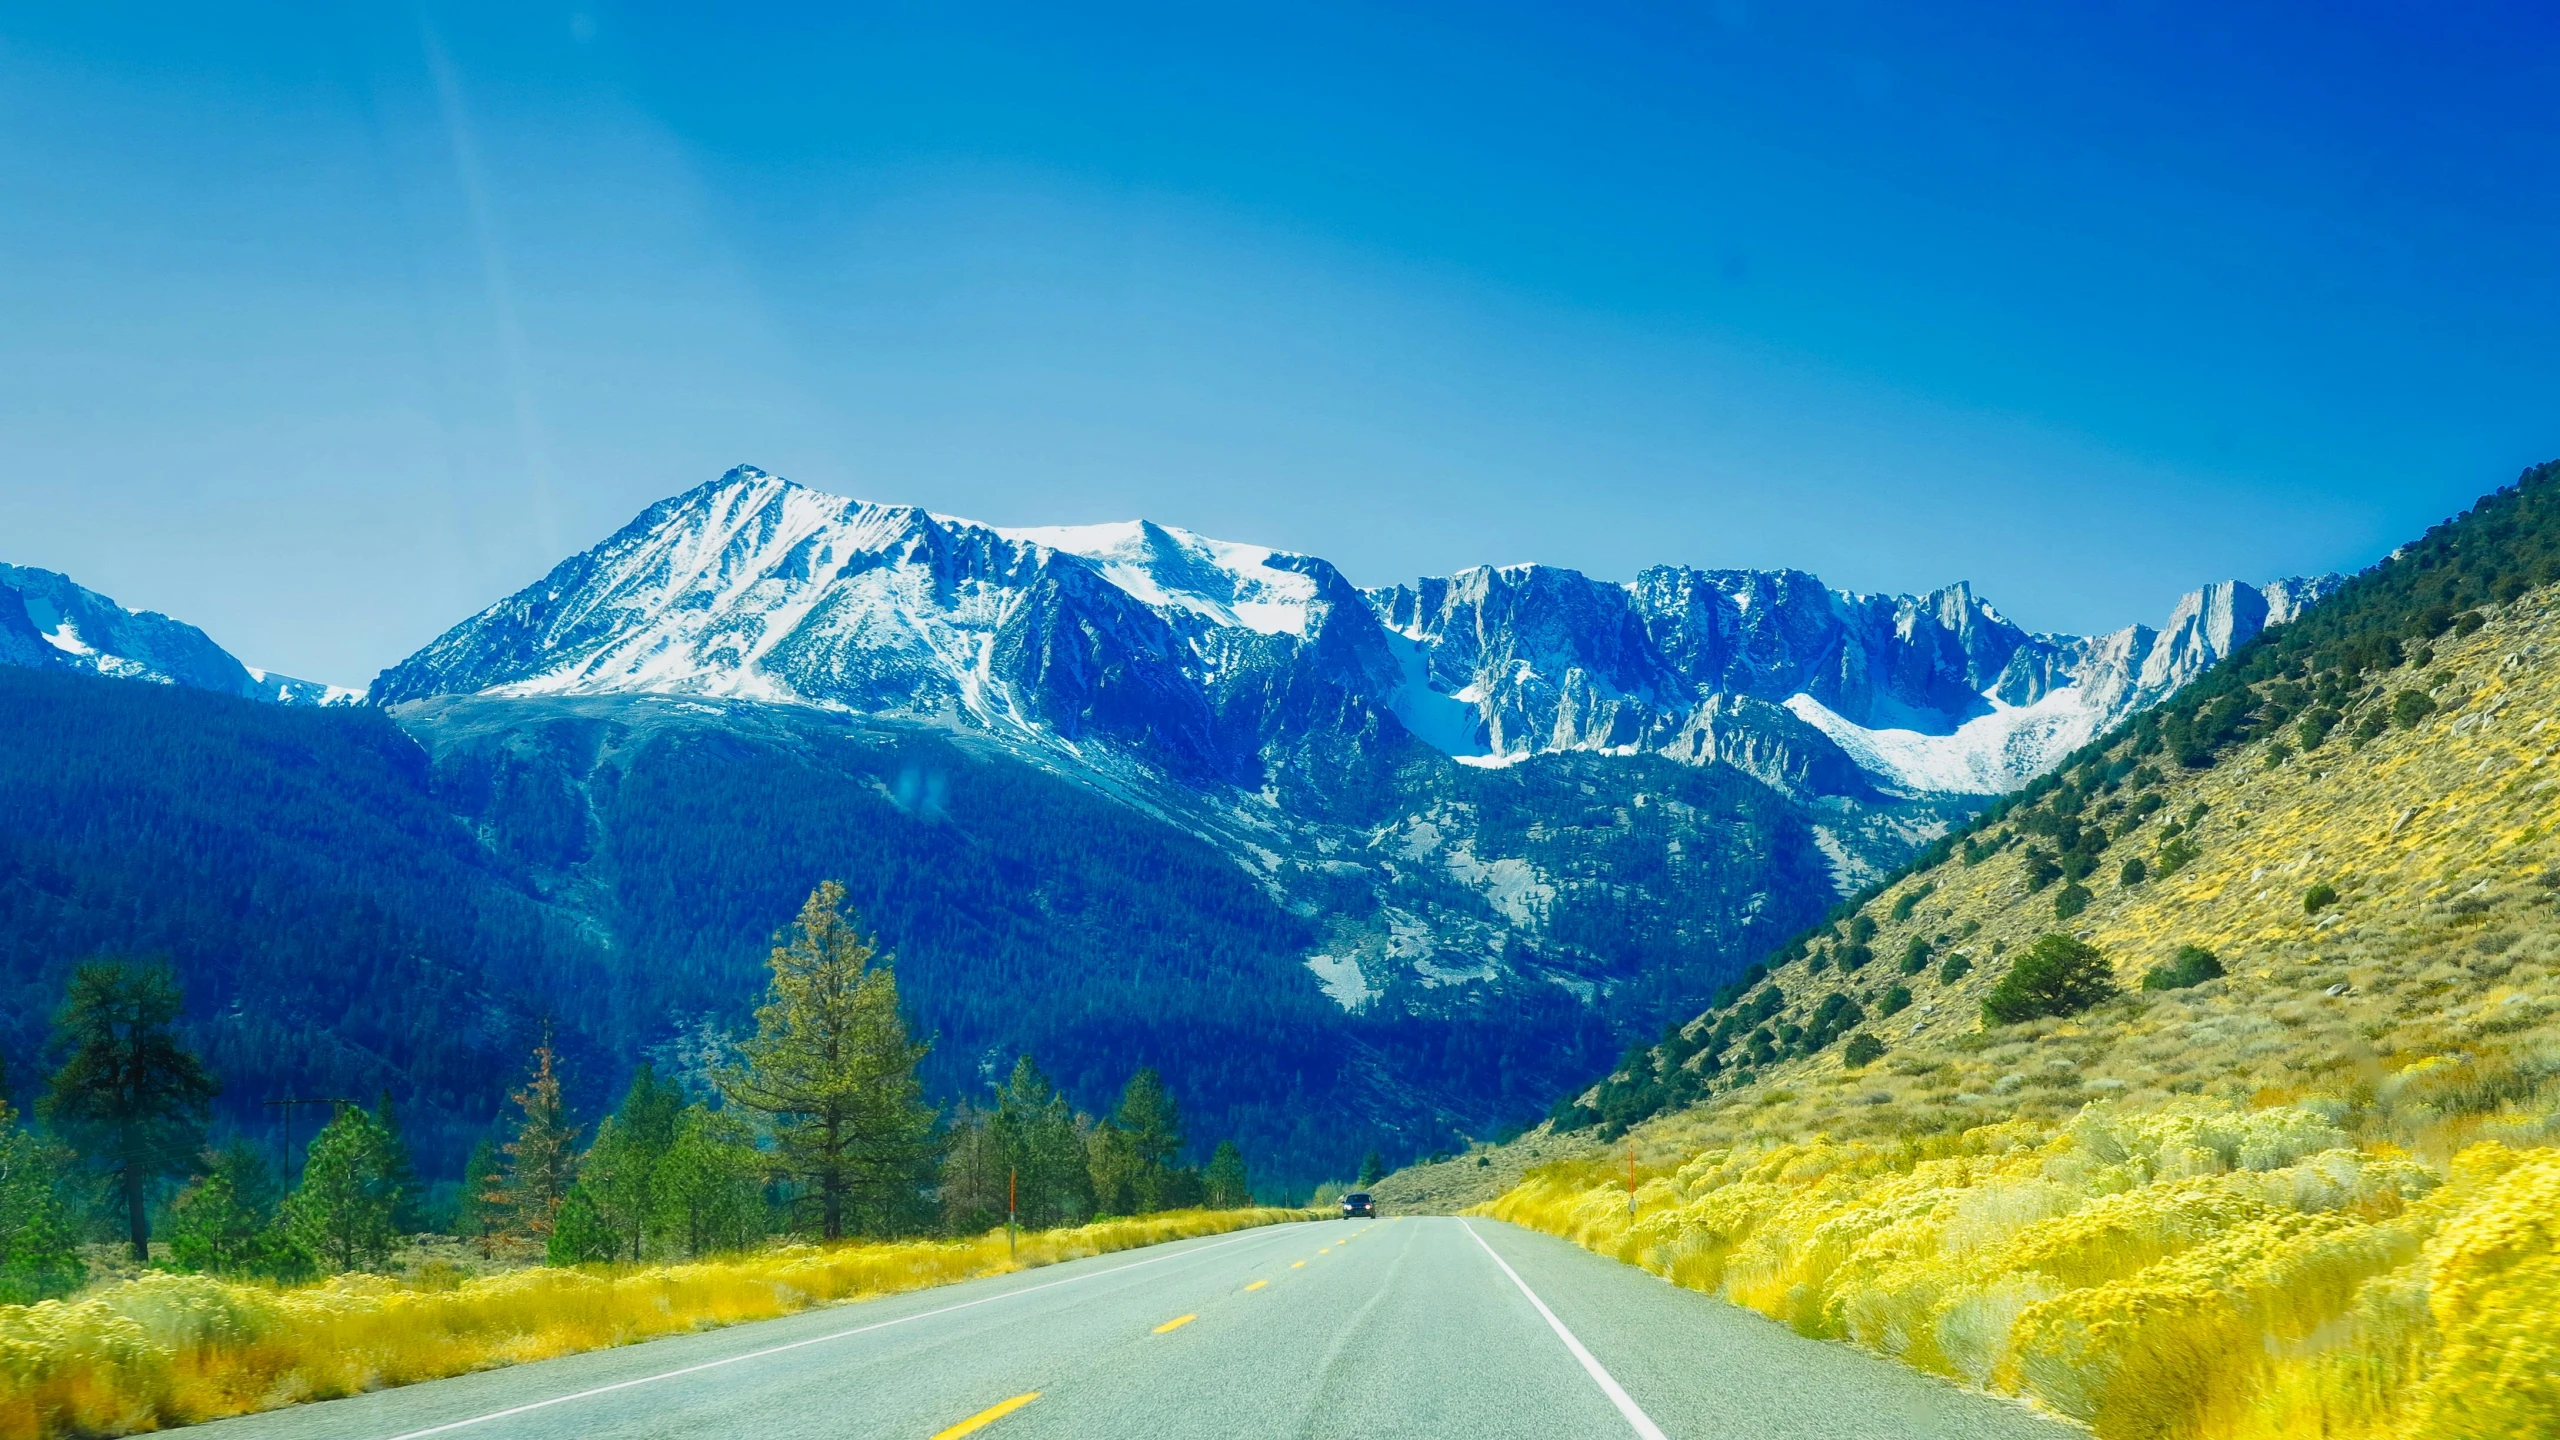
(1631, 1179)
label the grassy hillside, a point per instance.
(2204, 1089)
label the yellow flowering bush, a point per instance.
(2201, 1270)
(166, 1350)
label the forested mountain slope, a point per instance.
(1356, 870)
(337, 932)
(2204, 1087)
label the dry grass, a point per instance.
(2310, 1198)
(163, 1350)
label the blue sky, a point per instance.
(325, 329)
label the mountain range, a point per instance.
(1412, 858)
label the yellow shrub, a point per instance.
(177, 1349)
(2197, 1270)
(2494, 1285)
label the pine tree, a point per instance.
(39, 1238)
(407, 1217)
(225, 1222)
(130, 1096)
(1153, 1123)
(1112, 1160)
(482, 1209)
(974, 1174)
(1034, 1130)
(342, 1211)
(1373, 1169)
(833, 1067)
(542, 1158)
(1228, 1186)
(579, 1233)
(710, 1186)
(618, 1173)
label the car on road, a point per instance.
(1357, 1204)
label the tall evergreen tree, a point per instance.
(408, 1217)
(129, 1095)
(482, 1208)
(832, 1065)
(710, 1186)
(1151, 1118)
(1112, 1160)
(1152, 1122)
(342, 1211)
(542, 1157)
(1227, 1185)
(39, 1239)
(972, 1192)
(1034, 1131)
(619, 1172)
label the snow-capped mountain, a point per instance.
(1212, 659)
(48, 622)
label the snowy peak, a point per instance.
(1215, 658)
(49, 622)
(1246, 586)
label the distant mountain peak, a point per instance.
(1213, 656)
(50, 622)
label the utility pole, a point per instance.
(292, 1159)
(1012, 1199)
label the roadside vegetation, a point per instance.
(175, 1349)
(792, 1166)
(2206, 1088)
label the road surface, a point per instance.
(1368, 1329)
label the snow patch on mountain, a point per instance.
(1343, 982)
(1987, 755)
(1222, 581)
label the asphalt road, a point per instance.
(1384, 1328)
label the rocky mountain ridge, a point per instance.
(48, 622)
(1212, 659)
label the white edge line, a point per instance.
(1609, 1386)
(1258, 1232)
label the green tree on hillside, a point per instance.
(580, 1236)
(1034, 1135)
(225, 1222)
(409, 1217)
(710, 1185)
(972, 1188)
(342, 1211)
(2057, 976)
(1112, 1159)
(619, 1173)
(1226, 1184)
(1152, 1120)
(481, 1211)
(130, 1095)
(39, 1254)
(832, 1065)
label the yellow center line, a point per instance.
(1297, 1264)
(1258, 1284)
(986, 1417)
(1176, 1323)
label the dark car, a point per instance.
(1357, 1204)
